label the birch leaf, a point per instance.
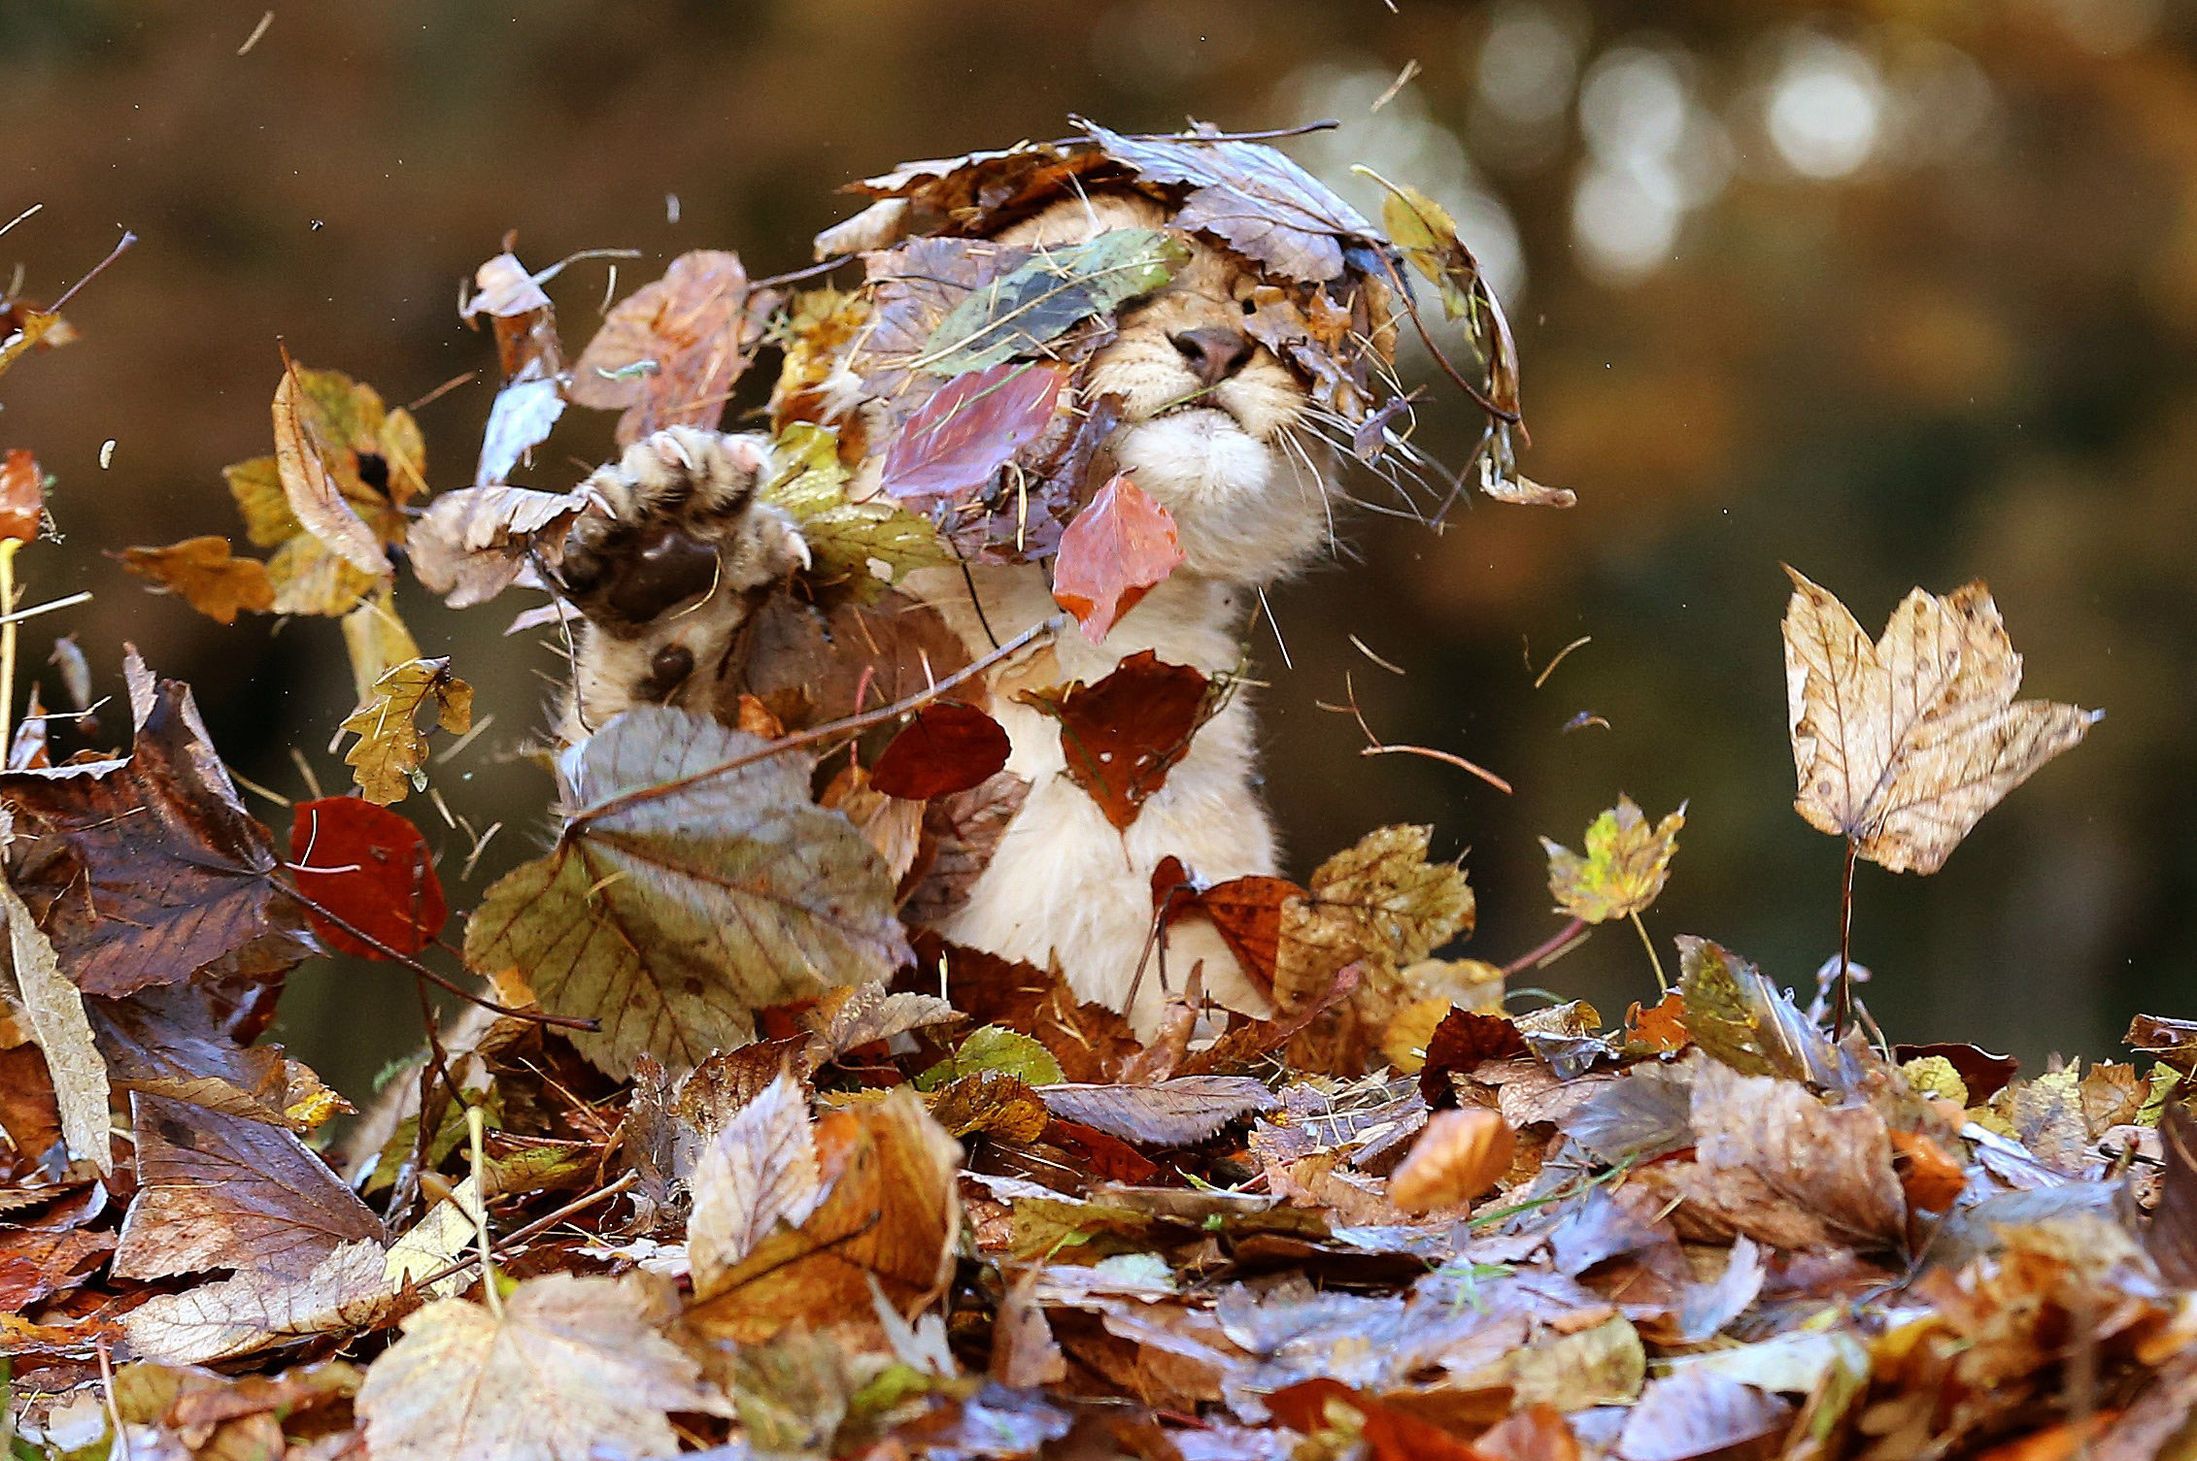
(1900, 746)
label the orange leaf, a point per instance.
(207, 578)
(1459, 1156)
(1116, 551)
(1930, 1178)
(22, 496)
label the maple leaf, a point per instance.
(669, 353)
(1624, 868)
(1458, 1157)
(220, 1191)
(259, 1308)
(1116, 551)
(1900, 746)
(63, 1034)
(202, 571)
(889, 1221)
(22, 496)
(370, 868)
(694, 883)
(1023, 311)
(1121, 736)
(149, 869)
(947, 746)
(1379, 900)
(472, 544)
(758, 1170)
(1253, 198)
(860, 548)
(970, 428)
(568, 1365)
(390, 754)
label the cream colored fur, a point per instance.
(1066, 888)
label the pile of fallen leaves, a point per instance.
(727, 1157)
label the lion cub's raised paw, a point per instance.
(667, 567)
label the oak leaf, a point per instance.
(207, 578)
(567, 1368)
(368, 867)
(1624, 868)
(669, 353)
(1117, 550)
(1900, 746)
(390, 755)
(694, 883)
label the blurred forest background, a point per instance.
(1900, 292)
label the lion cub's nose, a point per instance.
(1214, 352)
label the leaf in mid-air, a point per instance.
(669, 353)
(22, 496)
(203, 573)
(972, 427)
(369, 867)
(1623, 868)
(391, 748)
(472, 543)
(1116, 551)
(569, 1368)
(687, 892)
(1900, 746)
(1024, 310)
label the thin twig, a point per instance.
(1842, 1004)
(535, 1228)
(15, 617)
(1550, 668)
(1559, 943)
(117, 252)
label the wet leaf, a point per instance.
(473, 543)
(945, 747)
(203, 574)
(970, 428)
(680, 897)
(389, 759)
(669, 353)
(22, 496)
(1900, 746)
(1460, 1156)
(1623, 869)
(63, 1033)
(569, 1365)
(1023, 311)
(151, 870)
(370, 868)
(1122, 735)
(1115, 552)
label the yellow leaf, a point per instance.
(1624, 867)
(1900, 746)
(1381, 901)
(376, 640)
(207, 578)
(391, 749)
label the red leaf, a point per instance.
(22, 496)
(971, 428)
(1117, 550)
(1121, 736)
(948, 747)
(1459, 1044)
(369, 867)
(1311, 1406)
(1247, 913)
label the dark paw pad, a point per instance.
(636, 578)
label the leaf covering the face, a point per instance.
(1901, 745)
(681, 898)
(1021, 312)
(1117, 550)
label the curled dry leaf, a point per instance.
(1900, 746)
(1624, 868)
(1115, 552)
(62, 1033)
(370, 868)
(150, 869)
(390, 755)
(207, 578)
(532, 358)
(567, 1366)
(22, 496)
(670, 352)
(1461, 1155)
(1121, 736)
(694, 883)
(309, 466)
(472, 544)
(947, 746)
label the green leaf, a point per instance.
(1625, 865)
(996, 1048)
(694, 883)
(860, 547)
(1734, 1014)
(1023, 311)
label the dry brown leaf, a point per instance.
(260, 1308)
(1380, 900)
(758, 1170)
(207, 578)
(1759, 1133)
(60, 1029)
(1174, 1112)
(1460, 1156)
(391, 750)
(472, 544)
(1901, 745)
(569, 1365)
(312, 486)
(669, 353)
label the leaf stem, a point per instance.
(1662, 984)
(473, 1125)
(7, 640)
(1842, 1002)
(853, 724)
(1559, 942)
